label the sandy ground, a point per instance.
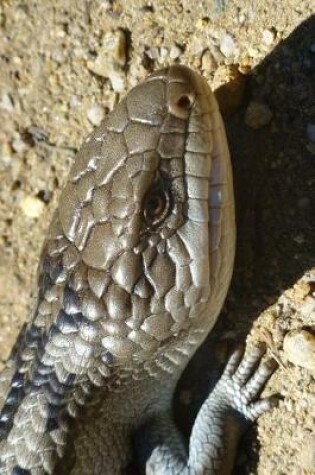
(63, 65)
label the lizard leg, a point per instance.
(219, 424)
(160, 447)
(223, 416)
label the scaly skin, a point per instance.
(133, 274)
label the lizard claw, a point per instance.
(243, 380)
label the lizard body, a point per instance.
(133, 274)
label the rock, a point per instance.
(310, 131)
(241, 18)
(229, 85)
(269, 36)
(95, 114)
(196, 46)
(37, 134)
(175, 52)
(257, 115)
(152, 53)
(253, 52)
(299, 348)
(75, 101)
(228, 46)
(6, 103)
(111, 60)
(163, 54)
(307, 309)
(32, 207)
(5, 154)
(216, 53)
(202, 23)
(18, 145)
(308, 452)
(117, 80)
(208, 62)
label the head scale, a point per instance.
(147, 218)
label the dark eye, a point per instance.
(156, 206)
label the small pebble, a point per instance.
(308, 452)
(111, 60)
(5, 154)
(253, 52)
(196, 47)
(175, 52)
(299, 348)
(201, 23)
(268, 36)
(75, 101)
(95, 114)
(6, 103)
(228, 46)
(18, 144)
(32, 207)
(152, 53)
(257, 115)
(163, 53)
(241, 18)
(58, 55)
(208, 62)
(307, 309)
(310, 131)
(37, 134)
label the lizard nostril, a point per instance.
(185, 102)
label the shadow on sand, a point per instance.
(274, 176)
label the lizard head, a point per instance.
(148, 218)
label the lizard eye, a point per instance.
(156, 206)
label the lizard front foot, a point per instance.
(219, 424)
(243, 380)
(224, 414)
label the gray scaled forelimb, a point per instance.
(218, 426)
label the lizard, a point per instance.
(132, 276)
